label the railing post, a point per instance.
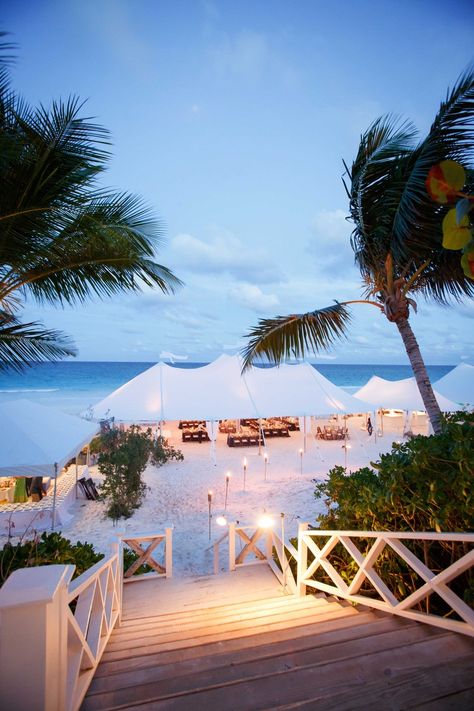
(116, 546)
(269, 544)
(34, 624)
(169, 552)
(216, 558)
(302, 560)
(231, 546)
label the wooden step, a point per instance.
(349, 683)
(175, 640)
(222, 611)
(230, 667)
(342, 624)
(158, 627)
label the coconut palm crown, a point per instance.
(396, 238)
(63, 239)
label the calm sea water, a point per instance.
(73, 386)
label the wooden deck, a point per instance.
(236, 643)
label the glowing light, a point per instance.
(265, 521)
(221, 521)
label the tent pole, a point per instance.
(76, 476)
(54, 494)
(259, 436)
(304, 433)
(88, 455)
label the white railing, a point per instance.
(146, 547)
(323, 555)
(258, 543)
(94, 606)
(55, 629)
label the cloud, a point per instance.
(224, 253)
(330, 244)
(246, 54)
(252, 297)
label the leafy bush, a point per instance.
(49, 549)
(162, 452)
(424, 484)
(123, 460)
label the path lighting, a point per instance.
(221, 521)
(227, 480)
(345, 447)
(265, 460)
(301, 461)
(265, 521)
(209, 502)
(245, 470)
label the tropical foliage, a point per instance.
(397, 238)
(162, 451)
(424, 484)
(47, 549)
(444, 183)
(63, 238)
(122, 461)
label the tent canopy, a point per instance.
(219, 391)
(35, 438)
(398, 394)
(458, 384)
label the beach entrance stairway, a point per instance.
(278, 630)
(236, 642)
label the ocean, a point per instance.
(73, 386)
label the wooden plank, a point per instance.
(357, 684)
(352, 641)
(347, 627)
(201, 631)
(229, 634)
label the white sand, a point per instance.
(178, 490)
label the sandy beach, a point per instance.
(178, 491)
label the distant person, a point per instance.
(36, 488)
(370, 429)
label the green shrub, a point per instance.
(48, 549)
(424, 484)
(122, 462)
(162, 452)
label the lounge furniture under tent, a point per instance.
(38, 441)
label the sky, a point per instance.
(232, 120)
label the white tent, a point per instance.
(219, 391)
(39, 441)
(297, 390)
(458, 385)
(36, 438)
(398, 394)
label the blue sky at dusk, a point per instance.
(232, 119)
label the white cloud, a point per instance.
(330, 244)
(247, 54)
(252, 297)
(224, 253)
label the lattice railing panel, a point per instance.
(390, 576)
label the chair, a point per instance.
(319, 433)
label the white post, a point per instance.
(169, 552)
(231, 546)
(116, 546)
(54, 495)
(33, 614)
(76, 474)
(302, 560)
(216, 558)
(283, 551)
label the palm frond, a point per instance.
(22, 344)
(416, 218)
(296, 335)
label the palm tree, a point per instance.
(62, 238)
(396, 238)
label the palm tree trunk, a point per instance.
(421, 376)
